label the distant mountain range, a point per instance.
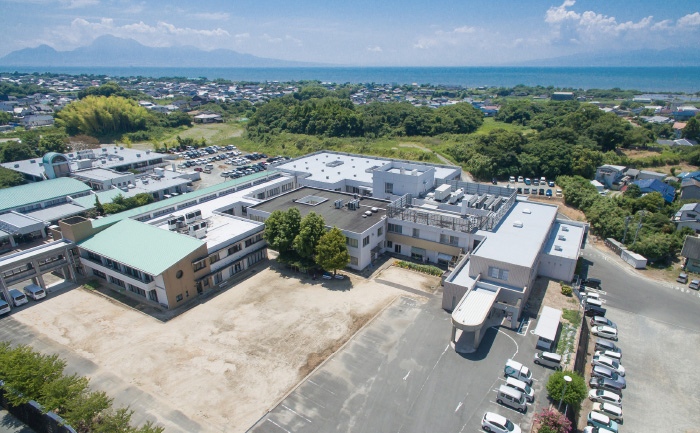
(109, 50)
(675, 57)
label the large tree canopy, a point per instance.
(100, 115)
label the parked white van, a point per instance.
(518, 371)
(510, 397)
(521, 386)
(18, 297)
(35, 292)
(4, 307)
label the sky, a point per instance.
(362, 32)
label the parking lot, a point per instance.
(218, 366)
(401, 375)
(662, 376)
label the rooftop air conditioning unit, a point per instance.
(527, 211)
(561, 237)
(368, 213)
(564, 228)
(375, 210)
(518, 224)
(557, 247)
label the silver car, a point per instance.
(611, 411)
(605, 332)
(606, 384)
(606, 373)
(605, 396)
(610, 363)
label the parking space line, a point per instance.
(407, 374)
(504, 406)
(458, 406)
(511, 338)
(327, 390)
(312, 401)
(296, 413)
(279, 425)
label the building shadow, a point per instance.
(484, 347)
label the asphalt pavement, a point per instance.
(400, 375)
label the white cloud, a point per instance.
(690, 20)
(662, 25)
(214, 16)
(293, 40)
(560, 14)
(270, 39)
(457, 36)
(375, 49)
(81, 32)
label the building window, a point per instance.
(117, 281)
(499, 274)
(234, 249)
(380, 230)
(178, 274)
(97, 273)
(351, 242)
(256, 257)
(253, 240)
(353, 260)
(389, 188)
(416, 233)
(178, 298)
(395, 228)
(213, 258)
(365, 241)
(450, 240)
(389, 244)
(199, 265)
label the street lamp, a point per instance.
(567, 379)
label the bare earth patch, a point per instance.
(228, 360)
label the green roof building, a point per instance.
(32, 196)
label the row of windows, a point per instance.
(121, 268)
(255, 239)
(395, 228)
(287, 186)
(116, 281)
(450, 240)
(196, 266)
(365, 241)
(18, 270)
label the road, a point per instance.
(627, 290)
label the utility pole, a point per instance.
(639, 226)
(627, 222)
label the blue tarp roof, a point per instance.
(655, 185)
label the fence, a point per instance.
(33, 415)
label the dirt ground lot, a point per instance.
(227, 361)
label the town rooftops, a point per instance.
(141, 246)
(322, 202)
(691, 248)
(22, 195)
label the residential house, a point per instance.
(646, 174)
(610, 175)
(691, 252)
(685, 112)
(678, 128)
(690, 189)
(562, 96)
(655, 185)
(688, 216)
(36, 121)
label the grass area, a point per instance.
(214, 133)
(566, 339)
(92, 285)
(491, 124)
(572, 316)
(426, 269)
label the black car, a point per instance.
(541, 191)
(494, 181)
(593, 283)
(594, 310)
(520, 190)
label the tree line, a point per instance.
(30, 375)
(569, 138)
(333, 116)
(657, 239)
(304, 242)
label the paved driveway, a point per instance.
(400, 375)
(659, 331)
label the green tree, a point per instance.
(100, 115)
(273, 228)
(576, 391)
(657, 245)
(332, 251)
(16, 151)
(291, 224)
(26, 372)
(633, 191)
(5, 117)
(692, 129)
(30, 138)
(98, 206)
(53, 143)
(312, 228)
(10, 178)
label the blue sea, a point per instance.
(648, 79)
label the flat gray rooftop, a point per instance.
(566, 236)
(351, 167)
(520, 235)
(343, 218)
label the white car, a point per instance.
(611, 411)
(493, 422)
(590, 429)
(609, 363)
(4, 307)
(617, 356)
(604, 396)
(605, 332)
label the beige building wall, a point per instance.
(186, 285)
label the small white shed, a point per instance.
(599, 186)
(547, 328)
